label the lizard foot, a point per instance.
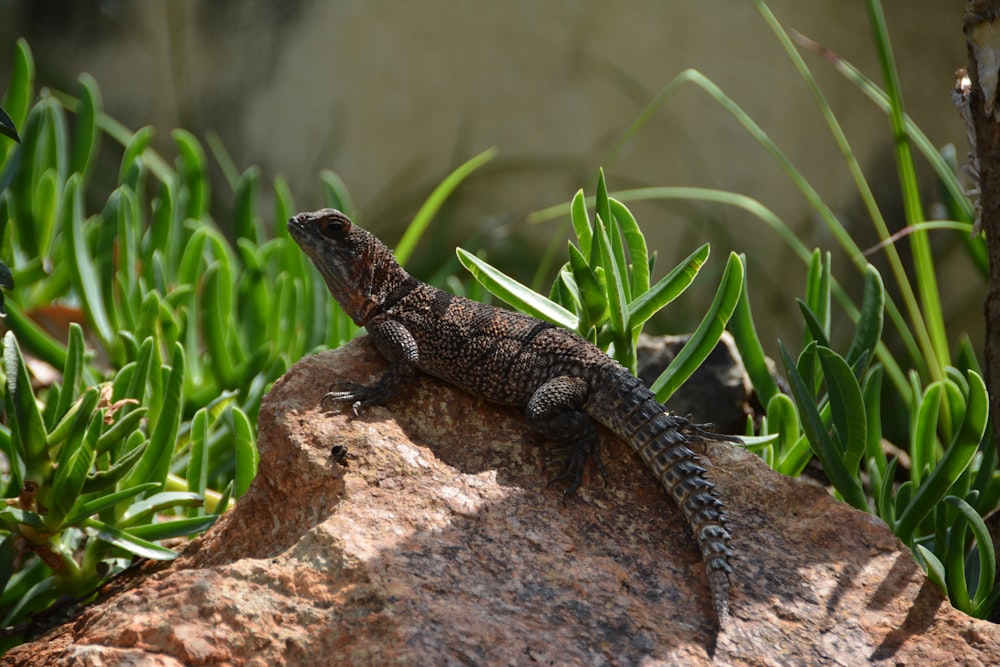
(571, 459)
(703, 432)
(358, 395)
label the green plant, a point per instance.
(88, 485)
(149, 433)
(836, 410)
(604, 291)
(837, 414)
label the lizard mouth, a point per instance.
(297, 227)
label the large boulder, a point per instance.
(424, 533)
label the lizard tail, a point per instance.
(660, 439)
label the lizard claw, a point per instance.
(572, 459)
(358, 395)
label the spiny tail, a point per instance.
(660, 438)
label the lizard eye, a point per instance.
(334, 227)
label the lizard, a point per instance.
(563, 382)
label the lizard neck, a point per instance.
(382, 282)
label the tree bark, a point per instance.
(982, 33)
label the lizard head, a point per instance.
(358, 269)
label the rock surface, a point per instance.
(718, 390)
(436, 542)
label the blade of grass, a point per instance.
(926, 335)
(923, 259)
(435, 201)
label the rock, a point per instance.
(720, 386)
(437, 542)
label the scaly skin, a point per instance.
(564, 383)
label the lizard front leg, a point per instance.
(556, 412)
(398, 346)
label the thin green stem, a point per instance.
(922, 257)
(917, 321)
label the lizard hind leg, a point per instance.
(555, 413)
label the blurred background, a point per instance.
(393, 95)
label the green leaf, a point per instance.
(229, 170)
(976, 412)
(818, 297)
(847, 407)
(219, 324)
(86, 138)
(192, 170)
(284, 206)
(932, 566)
(594, 301)
(923, 439)
(155, 461)
(668, 288)
(223, 504)
(518, 295)
(105, 479)
(886, 508)
(75, 420)
(11, 516)
(618, 256)
(132, 154)
(955, 394)
(26, 426)
(20, 89)
(136, 385)
(783, 419)
(197, 472)
(987, 557)
(97, 505)
(744, 331)
(38, 597)
(817, 330)
(72, 371)
(190, 268)
(245, 222)
(335, 193)
(637, 250)
(434, 203)
(82, 266)
(581, 223)
(128, 542)
(869, 330)
(812, 423)
(616, 291)
(46, 204)
(75, 461)
(706, 336)
(602, 208)
(794, 460)
(166, 530)
(872, 393)
(142, 510)
(956, 459)
(247, 457)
